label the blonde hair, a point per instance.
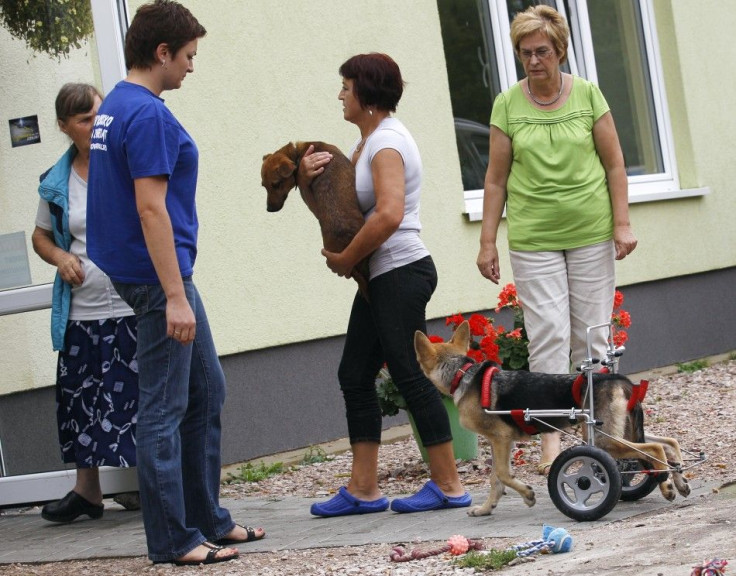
(542, 19)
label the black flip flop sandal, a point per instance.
(250, 537)
(211, 558)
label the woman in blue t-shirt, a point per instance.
(142, 232)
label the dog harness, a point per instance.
(637, 393)
(468, 371)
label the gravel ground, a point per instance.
(697, 408)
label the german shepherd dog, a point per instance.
(446, 365)
(331, 196)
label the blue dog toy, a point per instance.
(554, 540)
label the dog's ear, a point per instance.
(286, 167)
(461, 337)
(266, 156)
(422, 346)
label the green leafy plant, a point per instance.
(492, 559)
(50, 26)
(690, 367)
(315, 454)
(389, 398)
(250, 473)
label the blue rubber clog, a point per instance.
(430, 497)
(344, 503)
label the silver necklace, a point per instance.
(540, 103)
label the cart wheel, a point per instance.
(636, 479)
(584, 483)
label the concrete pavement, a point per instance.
(26, 537)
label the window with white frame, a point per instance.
(612, 42)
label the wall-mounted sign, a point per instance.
(24, 131)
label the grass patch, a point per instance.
(692, 366)
(250, 473)
(489, 560)
(314, 455)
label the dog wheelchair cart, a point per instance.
(584, 481)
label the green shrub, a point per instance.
(692, 366)
(250, 473)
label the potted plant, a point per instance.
(51, 27)
(464, 442)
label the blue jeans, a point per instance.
(182, 391)
(383, 331)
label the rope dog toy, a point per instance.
(714, 567)
(456, 545)
(554, 540)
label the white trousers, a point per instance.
(562, 293)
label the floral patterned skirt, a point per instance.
(97, 393)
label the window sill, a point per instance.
(474, 199)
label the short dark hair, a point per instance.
(376, 80)
(159, 22)
(75, 98)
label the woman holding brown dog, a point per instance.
(555, 162)
(388, 171)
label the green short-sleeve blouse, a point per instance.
(557, 195)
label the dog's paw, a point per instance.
(530, 499)
(668, 490)
(683, 488)
(480, 511)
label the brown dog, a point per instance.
(331, 196)
(454, 374)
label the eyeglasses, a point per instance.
(540, 53)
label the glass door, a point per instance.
(44, 44)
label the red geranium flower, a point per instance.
(476, 355)
(478, 323)
(455, 320)
(622, 318)
(619, 338)
(490, 349)
(618, 299)
(507, 298)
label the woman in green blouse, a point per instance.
(555, 162)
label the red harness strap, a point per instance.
(459, 376)
(637, 394)
(526, 427)
(485, 402)
(487, 387)
(577, 387)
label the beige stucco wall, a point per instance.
(266, 73)
(28, 86)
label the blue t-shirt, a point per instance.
(136, 136)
